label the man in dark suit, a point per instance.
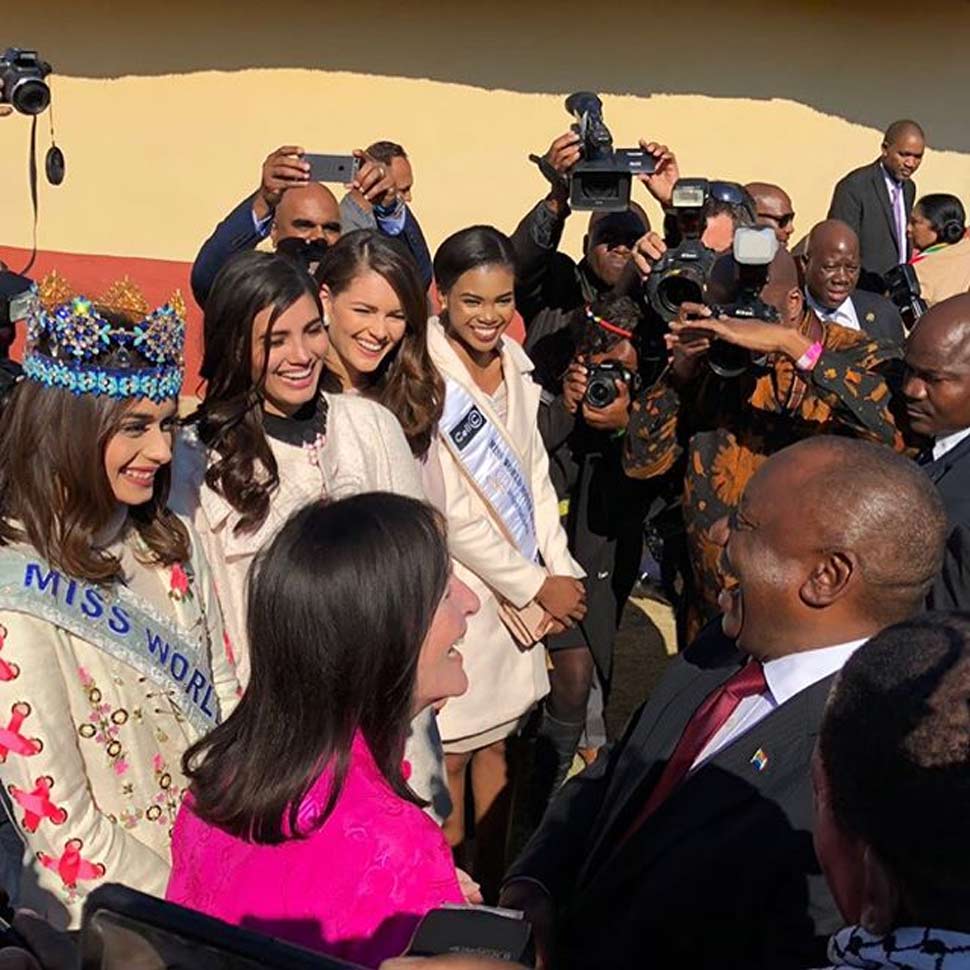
(689, 844)
(937, 392)
(831, 267)
(876, 200)
(287, 204)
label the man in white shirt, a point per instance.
(689, 844)
(831, 265)
(936, 388)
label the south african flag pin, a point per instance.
(759, 759)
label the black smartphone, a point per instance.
(333, 168)
(122, 929)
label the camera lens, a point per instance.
(728, 360)
(30, 96)
(601, 392)
(677, 288)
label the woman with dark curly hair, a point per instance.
(266, 440)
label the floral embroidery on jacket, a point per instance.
(104, 724)
(180, 582)
(72, 868)
(8, 671)
(12, 741)
(37, 804)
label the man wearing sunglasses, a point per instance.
(773, 207)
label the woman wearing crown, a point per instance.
(111, 648)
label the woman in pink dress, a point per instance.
(300, 823)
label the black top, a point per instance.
(299, 429)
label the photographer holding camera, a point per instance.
(749, 373)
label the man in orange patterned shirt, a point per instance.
(813, 378)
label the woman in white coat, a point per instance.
(266, 441)
(489, 474)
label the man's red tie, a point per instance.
(707, 720)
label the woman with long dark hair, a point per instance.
(941, 248)
(265, 441)
(489, 473)
(112, 659)
(376, 312)
(300, 822)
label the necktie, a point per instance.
(899, 215)
(706, 721)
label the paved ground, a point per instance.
(641, 657)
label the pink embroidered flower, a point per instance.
(158, 763)
(120, 766)
(86, 679)
(405, 769)
(179, 584)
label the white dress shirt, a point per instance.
(786, 677)
(948, 442)
(844, 314)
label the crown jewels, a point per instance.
(71, 345)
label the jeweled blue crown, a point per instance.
(70, 344)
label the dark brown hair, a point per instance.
(54, 491)
(407, 382)
(230, 418)
(340, 603)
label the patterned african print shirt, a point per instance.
(723, 430)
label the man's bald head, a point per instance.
(832, 262)
(902, 128)
(937, 382)
(773, 207)
(308, 211)
(781, 291)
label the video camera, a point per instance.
(681, 274)
(754, 250)
(601, 181)
(22, 73)
(904, 290)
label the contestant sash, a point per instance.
(122, 625)
(488, 458)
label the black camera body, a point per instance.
(754, 250)
(681, 274)
(602, 180)
(601, 381)
(904, 290)
(22, 73)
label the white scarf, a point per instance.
(906, 948)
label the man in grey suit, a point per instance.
(876, 200)
(831, 267)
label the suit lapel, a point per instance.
(721, 786)
(938, 470)
(882, 194)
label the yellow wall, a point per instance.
(165, 111)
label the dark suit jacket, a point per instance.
(723, 874)
(237, 234)
(879, 318)
(952, 477)
(861, 200)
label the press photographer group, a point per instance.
(311, 665)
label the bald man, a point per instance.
(287, 204)
(689, 844)
(773, 207)
(937, 393)
(817, 378)
(831, 267)
(877, 199)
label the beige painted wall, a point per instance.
(165, 112)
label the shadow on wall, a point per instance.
(867, 62)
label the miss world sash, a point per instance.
(120, 624)
(489, 460)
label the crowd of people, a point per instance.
(315, 652)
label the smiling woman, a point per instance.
(92, 560)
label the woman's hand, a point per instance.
(470, 889)
(564, 598)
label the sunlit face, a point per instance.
(441, 672)
(904, 155)
(936, 382)
(403, 176)
(138, 449)
(365, 322)
(309, 212)
(297, 345)
(775, 210)
(832, 270)
(920, 230)
(480, 306)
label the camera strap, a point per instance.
(32, 176)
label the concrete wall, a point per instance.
(165, 111)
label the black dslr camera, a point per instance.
(681, 274)
(904, 290)
(601, 381)
(602, 180)
(754, 250)
(22, 73)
